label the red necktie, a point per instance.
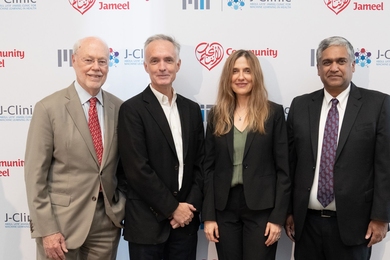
(325, 193)
(94, 128)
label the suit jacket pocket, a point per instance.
(363, 126)
(59, 199)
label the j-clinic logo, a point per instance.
(363, 57)
(17, 220)
(114, 58)
(209, 54)
(82, 6)
(337, 6)
(236, 4)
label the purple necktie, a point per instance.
(325, 193)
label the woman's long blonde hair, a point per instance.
(258, 106)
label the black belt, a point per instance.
(324, 213)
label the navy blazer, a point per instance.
(362, 164)
(265, 168)
(151, 166)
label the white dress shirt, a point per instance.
(172, 114)
(84, 98)
(326, 105)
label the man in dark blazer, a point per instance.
(161, 139)
(359, 210)
(74, 196)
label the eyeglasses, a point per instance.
(101, 62)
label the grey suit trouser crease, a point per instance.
(101, 243)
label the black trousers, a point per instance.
(179, 246)
(241, 230)
(321, 240)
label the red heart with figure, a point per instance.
(337, 5)
(209, 54)
(82, 5)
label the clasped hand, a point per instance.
(182, 215)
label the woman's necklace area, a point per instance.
(239, 116)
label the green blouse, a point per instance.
(239, 140)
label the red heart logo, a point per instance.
(209, 55)
(82, 5)
(337, 5)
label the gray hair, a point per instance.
(335, 41)
(164, 38)
(78, 43)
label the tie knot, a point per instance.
(92, 101)
(334, 101)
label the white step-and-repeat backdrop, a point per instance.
(36, 38)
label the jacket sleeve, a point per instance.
(208, 210)
(38, 157)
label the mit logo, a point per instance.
(65, 56)
(198, 4)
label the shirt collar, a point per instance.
(163, 99)
(342, 97)
(85, 96)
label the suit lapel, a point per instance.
(314, 119)
(249, 139)
(184, 112)
(157, 113)
(229, 139)
(76, 112)
(353, 107)
(109, 120)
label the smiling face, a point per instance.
(161, 63)
(90, 62)
(242, 77)
(335, 69)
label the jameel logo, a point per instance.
(337, 6)
(82, 5)
(209, 54)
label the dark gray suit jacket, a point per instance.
(151, 165)
(362, 165)
(265, 169)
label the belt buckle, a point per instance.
(323, 215)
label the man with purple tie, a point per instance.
(339, 141)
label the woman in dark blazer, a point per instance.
(247, 185)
